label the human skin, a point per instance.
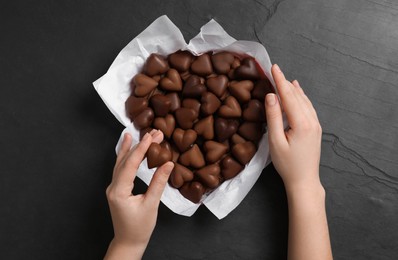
(295, 154)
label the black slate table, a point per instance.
(57, 137)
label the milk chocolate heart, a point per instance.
(192, 158)
(205, 127)
(209, 175)
(237, 139)
(214, 151)
(210, 103)
(155, 65)
(144, 119)
(261, 89)
(235, 63)
(202, 65)
(143, 85)
(225, 128)
(135, 105)
(222, 62)
(241, 90)
(172, 81)
(192, 103)
(193, 88)
(247, 70)
(230, 108)
(185, 117)
(184, 139)
(230, 168)
(217, 85)
(175, 153)
(165, 124)
(254, 111)
(180, 175)
(193, 191)
(185, 75)
(160, 104)
(244, 152)
(157, 155)
(180, 60)
(251, 131)
(175, 102)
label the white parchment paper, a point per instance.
(163, 37)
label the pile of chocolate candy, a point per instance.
(210, 109)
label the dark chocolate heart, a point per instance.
(175, 102)
(230, 108)
(192, 158)
(172, 81)
(225, 128)
(230, 168)
(193, 88)
(180, 60)
(184, 139)
(251, 131)
(254, 111)
(244, 152)
(135, 105)
(247, 70)
(222, 62)
(157, 155)
(261, 89)
(192, 103)
(165, 124)
(155, 65)
(180, 175)
(160, 104)
(193, 191)
(143, 85)
(214, 151)
(205, 127)
(185, 117)
(144, 119)
(217, 85)
(202, 65)
(210, 103)
(241, 90)
(209, 175)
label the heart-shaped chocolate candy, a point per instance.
(175, 102)
(251, 131)
(172, 81)
(225, 128)
(185, 75)
(210, 103)
(230, 108)
(157, 155)
(143, 85)
(144, 131)
(217, 85)
(244, 152)
(135, 105)
(230, 168)
(205, 127)
(155, 65)
(193, 88)
(241, 90)
(254, 111)
(202, 65)
(165, 124)
(261, 89)
(161, 104)
(144, 119)
(237, 139)
(235, 63)
(180, 60)
(192, 158)
(184, 139)
(214, 151)
(222, 62)
(193, 191)
(179, 175)
(192, 103)
(247, 70)
(185, 117)
(209, 175)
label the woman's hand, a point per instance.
(134, 216)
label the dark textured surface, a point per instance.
(57, 137)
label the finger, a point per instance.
(158, 183)
(157, 137)
(276, 132)
(125, 148)
(306, 100)
(289, 99)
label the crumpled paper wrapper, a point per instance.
(163, 37)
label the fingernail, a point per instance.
(146, 136)
(270, 99)
(277, 68)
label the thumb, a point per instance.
(276, 132)
(158, 182)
